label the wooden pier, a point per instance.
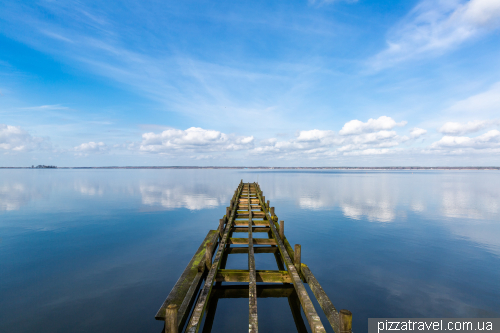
(196, 292)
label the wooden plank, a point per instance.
(305, 301)
(199, 309)
(256, 241)
(254, 222)
(269, 291)
(323, 300)
(253, 322)
(187, 279)
(240, 275)
(254, 229)
(256, 249)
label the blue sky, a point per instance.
(274, 83)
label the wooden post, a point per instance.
(227, 212)
(264, 199)
(297, 257)
(282, 230)
(171, 319)
(272, 212)
(208, 256)
(345, 321)
(268, 204)
(221, 227)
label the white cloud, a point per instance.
(490, 139)
(14, 138)
(193, 139)
(416, 132)
(434, 26)
(357, 138)
(455, 128)
(372, 125)
(91, 147)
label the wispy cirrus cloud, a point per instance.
(435, 26)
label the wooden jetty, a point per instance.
(196, 292)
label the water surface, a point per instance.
(99, 250)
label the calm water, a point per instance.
(99, 250)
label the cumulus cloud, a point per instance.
(490, 139)
(14, 138)
(372, 125)
(90, 147)
(193, 139)
(434, 26)
(455, 128)
(416, 132)
(373, 137)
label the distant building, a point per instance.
(45, 167)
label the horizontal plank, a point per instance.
(254, 222)
(256, 241)
(254, 229)
(263, 291)
(240, 275)
(257, 249)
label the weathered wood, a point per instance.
(253, 326)
(256, 241)
(345, 321)
(305, 301)
(247, 212)
(254, 229)
(208, 256)
(171, 319)
(256, 249)
(187, 278)
(323, 300)
(199, 309)
(294, 303)
(254, 222)
(240, 275)
(263, 291)
(221, 227)
(297, 260)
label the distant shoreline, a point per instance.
(269, 168)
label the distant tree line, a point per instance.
(44, 167)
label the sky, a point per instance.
(250, 83)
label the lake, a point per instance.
(99, 250)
